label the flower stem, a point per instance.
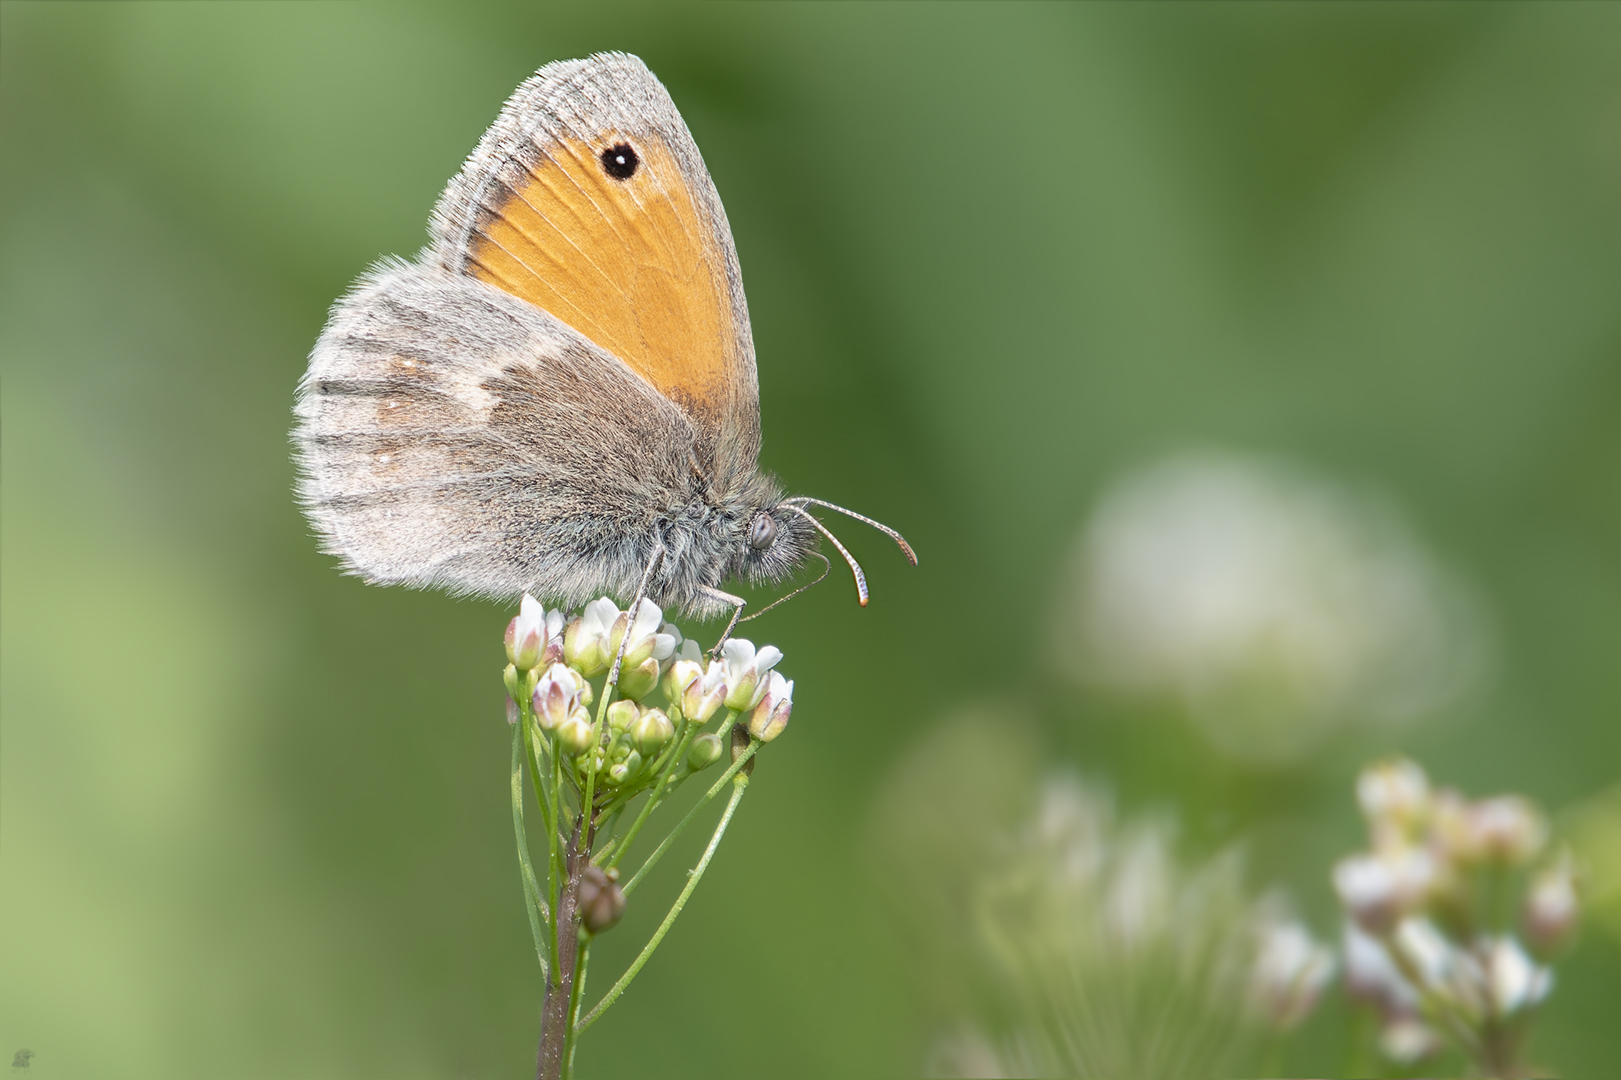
(656, 795)
(740, 785)
(546, 796)
(574, 1008)
(533, 903)
(658, 852)
(554, 1024)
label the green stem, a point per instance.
(656, 795)
(610, 815)
(739, 787)
(548, 801)
(609, 685)
(533, 903)
(658, 852)
(555, 839)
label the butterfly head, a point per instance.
(775, 541)
(781, 536)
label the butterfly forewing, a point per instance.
(641, 263)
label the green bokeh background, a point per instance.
(254, 817)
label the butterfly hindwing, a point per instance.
(453, 435)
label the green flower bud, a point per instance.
(510, 678)
(637, 682)
(704, 752)
(622, 714)
(574, 734)
(651, 731)
(602, 901)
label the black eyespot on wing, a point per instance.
(620, 161)
(763, 533)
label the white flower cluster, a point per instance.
(1423, 942)
(1119, 960)
(553, 657)
(1270, 603)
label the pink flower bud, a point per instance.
(770, 716)
(602, 901)
(528, 634)
(557, 695)
(1551, 908)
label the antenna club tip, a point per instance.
(862, 601)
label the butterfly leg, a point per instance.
(635, 606)
(737, 603)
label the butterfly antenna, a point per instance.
(806, 500)
(855, 567)
(827, 568)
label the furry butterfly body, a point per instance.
(558, 395)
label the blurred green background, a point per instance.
(254, 817)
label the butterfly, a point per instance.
(558, 394)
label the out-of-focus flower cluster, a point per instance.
(1114, 960)
(1268, 602)
(1453, 914)
(553, 657)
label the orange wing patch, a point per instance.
(628, 263)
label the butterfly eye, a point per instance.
(763, 533)
(620, 161)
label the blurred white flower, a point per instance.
(1406, 1040)
(1372, 975)
(1378, 889)
(1551, 908)
(1395, 799)
(1508, 829)
(1429, 954)
(1514, 982)
(1271, 603)
(1289, 974)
